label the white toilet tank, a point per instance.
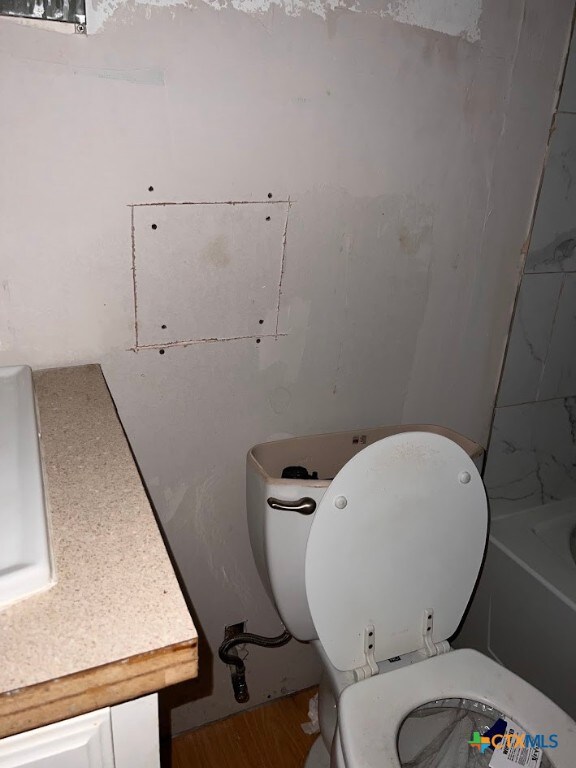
(278, 536)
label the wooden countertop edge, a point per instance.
(36, 705)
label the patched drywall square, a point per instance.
(206, 271)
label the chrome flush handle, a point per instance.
(306, 505)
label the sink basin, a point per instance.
(25, 556)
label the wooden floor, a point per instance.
(267, 737)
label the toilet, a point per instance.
(370, 543)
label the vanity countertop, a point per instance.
(115, 625)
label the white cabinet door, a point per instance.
(82, 742)
(136, 733)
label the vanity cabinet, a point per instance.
(81, 663)
(122, 736)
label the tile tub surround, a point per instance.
(532, 453)
(559, 372)
(553, 241)
(530, 338)
(115, 626)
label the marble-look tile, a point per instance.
(568, 97)
(532, 454)
(510, 473)
(559, 375)
(553, 242)
(529, 338)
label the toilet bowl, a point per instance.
(374, 560)
(371, 713)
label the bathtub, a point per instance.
(523, 613)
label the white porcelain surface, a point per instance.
(432, 513)
(25, 561)
(372, 711)
(540, 539)
(318, 756)
(278, 538)
(408, 542)
(524, 611)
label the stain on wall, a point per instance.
(412, 157)
(452, 17)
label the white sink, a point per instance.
(25, 557)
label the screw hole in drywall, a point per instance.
(267, 218)
(258, 341)
(261, 322)
(370, 647)
(161, 351)
(269, 195)
(163, 327)
(150, 189)
(154, 226)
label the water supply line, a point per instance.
(229, 656)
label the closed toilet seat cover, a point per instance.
(371, 712)
(398, 536)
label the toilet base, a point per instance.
(318, 757)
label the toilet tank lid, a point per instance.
(399, 533)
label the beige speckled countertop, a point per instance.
(115, 625)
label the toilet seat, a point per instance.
(371, 712)
(395, 549)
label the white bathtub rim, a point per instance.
(515, 535)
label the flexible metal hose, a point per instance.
(239, 674)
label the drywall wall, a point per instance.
(453, 17)
(403, 162)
